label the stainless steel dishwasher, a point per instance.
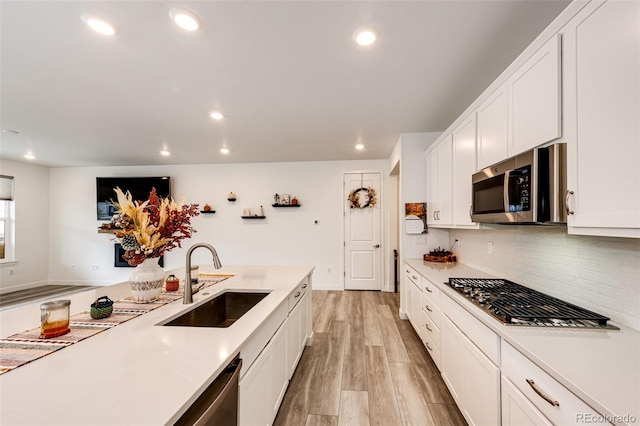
(218, 404)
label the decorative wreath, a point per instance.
(362, 198)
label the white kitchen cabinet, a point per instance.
(493, 128)
(439, 183)
(601, 83)
(262, 387)
(534, 100)
(472, 378)
(295, 337)
(463, 167)
(517, 410)
(540, 396)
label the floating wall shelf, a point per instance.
(253, 217)
(207, 211)
(285, 205)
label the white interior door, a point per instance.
(362, 230)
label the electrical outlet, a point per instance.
(489, 247)
(457, 242)
(328, 270)
(10, 271)
(73, 267)
(95, 268)
(420, 239)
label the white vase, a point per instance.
(146, 281)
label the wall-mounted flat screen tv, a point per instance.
(140, 187)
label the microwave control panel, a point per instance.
(520, 189)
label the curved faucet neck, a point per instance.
(188, 288)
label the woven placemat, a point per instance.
(22, 348)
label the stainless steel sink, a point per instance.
(221, 311)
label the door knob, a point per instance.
(376, 246)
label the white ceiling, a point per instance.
(287, 75)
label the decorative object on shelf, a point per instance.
(207, 209)
(231, 197)
(361, 198)
(54, 318)
(172, 283)
(276, 199)
(261, 211)
(146, 281)
(285, 199)
(294, 201)
(101, 308)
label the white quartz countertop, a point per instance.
(137, 373)
(602, 367)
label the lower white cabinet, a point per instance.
(538, 396)
(517, 409)
(472, 378)
(297, 334)
(262, 387)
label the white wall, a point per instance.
(31, 227)
(286, 236)
(597, 273)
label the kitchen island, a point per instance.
(139, 372)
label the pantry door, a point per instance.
(362, 231)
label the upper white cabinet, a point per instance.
(464, 165)
(534, 100)
(601, 87)
(493, 129)
(439, 183)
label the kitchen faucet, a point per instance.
(188, 289)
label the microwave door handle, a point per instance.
(505, 190)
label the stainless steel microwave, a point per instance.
(525, 189)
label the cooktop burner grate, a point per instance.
(515, 304)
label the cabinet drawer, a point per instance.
(431, 329)
(432, 310)
(485, 339)
(297, 294)
(433, 350)
(431, 292)
(412, 275)
(531, 379)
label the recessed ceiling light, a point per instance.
(217, 115)
(165, 153)
(29, 156)
(99, 25)
(185, 19)
(365, 36)
(224, 150)
(359, 147)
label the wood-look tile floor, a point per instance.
(366, 367)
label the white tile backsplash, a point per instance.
(597, 273)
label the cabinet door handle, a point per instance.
(566, 202)
(471, 212)
(428, 289)
(428, 347)
(428, 328)
(304, 286)
(414, 277)
(428, 308)
(297, 294)
(376, 246)
(542, 394)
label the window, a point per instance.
(7, 214)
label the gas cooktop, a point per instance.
(515, 304)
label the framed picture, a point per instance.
(285, 199)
